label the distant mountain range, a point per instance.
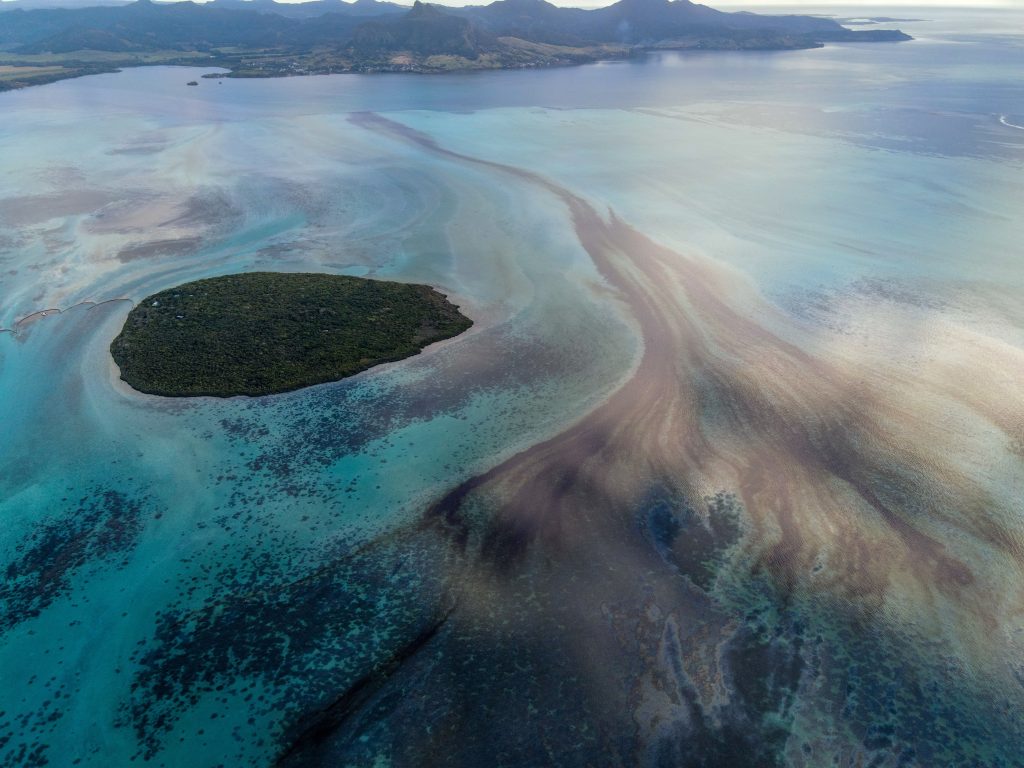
(267, 38)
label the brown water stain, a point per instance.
(802, 436)
(848, 499)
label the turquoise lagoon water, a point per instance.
(188, 580)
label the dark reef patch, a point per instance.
(103, 526)
(291, 648)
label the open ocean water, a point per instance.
(729, 471)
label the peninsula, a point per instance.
(264, 38)
(261, 333)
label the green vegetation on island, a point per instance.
(263, 38)
(265, 332)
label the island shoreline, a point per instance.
(233, 71)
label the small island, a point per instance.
(262, 333)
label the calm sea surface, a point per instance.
(729, 469)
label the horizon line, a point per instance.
(793, 6)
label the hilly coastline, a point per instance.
(263, 38)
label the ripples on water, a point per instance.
(728, 472)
